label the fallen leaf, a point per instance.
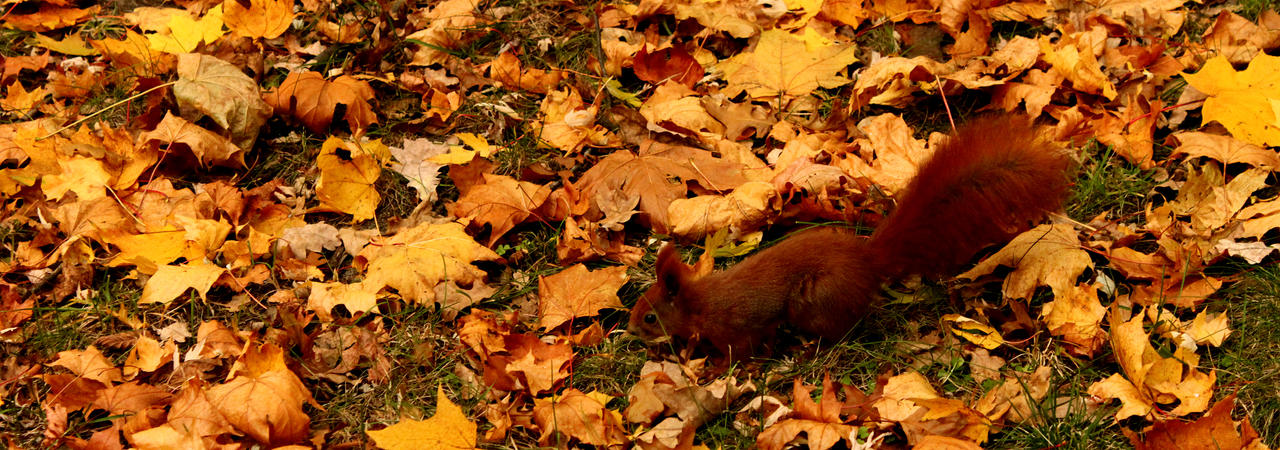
(578, 292)
(310, 98)
(449, 428)
(782, 65)
(263, 398)
(1242, 101)
(263, 19)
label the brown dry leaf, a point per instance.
(749, 207)
(192, 411)
(593, 241)
(415, 260)
(90, 364)
(674, 63)
(579, 416)
(355, 297)
(15, 309)
(578, 292)
(1047, 255)
(820, 421)
(900, 392)
(506, 69)
(1150, 381)
(147, 355)
(413, 160)
(669, 389)
(1215, 430)
(936, 442)
(1074, 56)
(179, 32)
(568, 123)
(449, 428)
(348, 172)
(337, 351)
(445, 24)
(676, 109)
(501, 202)
(1211, 200)
(782, 64)
(1224, 149)
(207, 146)
(1014, 400)
(263, 19)
(311, 99)
(658, 176)
(1242, 101)
(312, 237)
(85, 177)
(1238, 39)
(210, 87)
(167, 437)
(135, 53)
(50, 17)
(893, 81)
(973, 331)
(171, 281)
(897, 154)
(1075, 315)
(529, 364)
(263, 398)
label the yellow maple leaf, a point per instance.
(416, 260)
(134, 52)
(72, 44)
(347, 177)
(170, 281)
(781, 64)
(459, 154)
(186, 33)
(264, 398)
(1246, 102)
(265, 19)
(447, 429)
(1149, 379)
(355, 297)
(1073, 58)
(84, 176)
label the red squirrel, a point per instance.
(990, 181)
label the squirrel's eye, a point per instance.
(650, 318)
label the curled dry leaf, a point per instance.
(1150, 381)
(310, 98)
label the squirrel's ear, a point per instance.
(670, 270)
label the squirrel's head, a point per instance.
(658, 314)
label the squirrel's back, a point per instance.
(988, 182)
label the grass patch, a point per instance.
(1108, 183)
(1249, 361)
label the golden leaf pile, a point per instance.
(336, 197)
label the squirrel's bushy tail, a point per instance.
(993, 179)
